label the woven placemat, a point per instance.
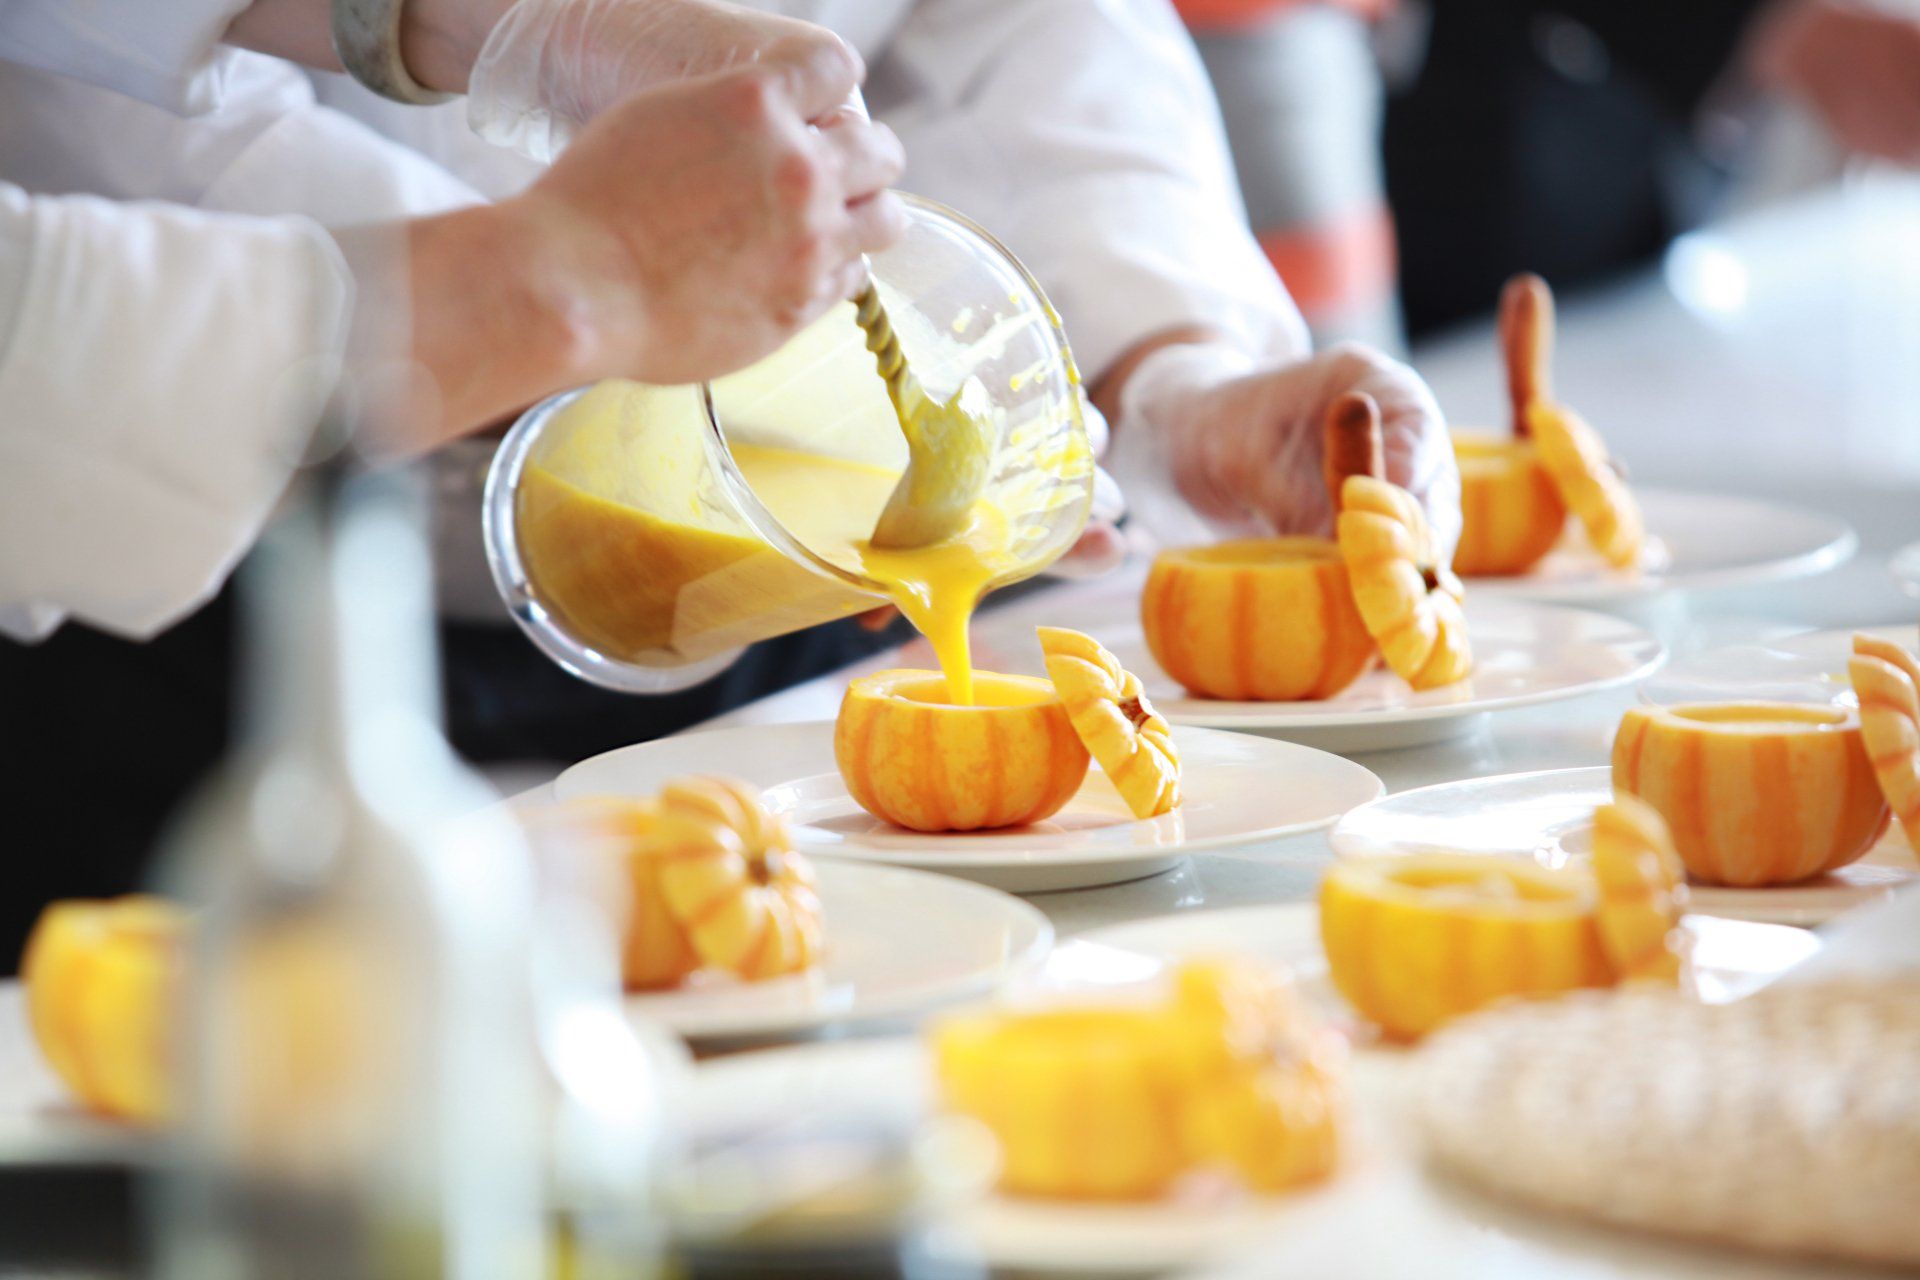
(1785, 1122)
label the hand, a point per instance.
(549, 66)
(1241, 445)
(1856, 64)
(742, 225)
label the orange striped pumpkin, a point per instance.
(100, 982)
(1511, 513)
(1643, 890)
(910, 757)
(1118, 1100)
(1886, 679)
(1753, 793)
(1414, 941)
(1256, 620)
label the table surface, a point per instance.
(1774, 357)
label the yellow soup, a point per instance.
(631, 583)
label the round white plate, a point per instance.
(1523, 654)
(1548, 816)
(898, 942)
(1809, 667)
(1696, 542)
(889, 1080)
(1238, 791)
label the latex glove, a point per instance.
(1856, 64)
(741, 224)
(1213, 444)
(548, 66)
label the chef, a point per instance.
(162, 365)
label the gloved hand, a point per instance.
(1213, 444)
(743, 223)
(548, 66)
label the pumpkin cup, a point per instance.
(1515, 493)
(1118, 1101)
(1511, 514)
(100, 982)
(910, 757)
(1415, 941)
(1511, 511)
(1291, 619)
(1754, 793)
(1256, 620)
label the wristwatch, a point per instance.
(366, 35)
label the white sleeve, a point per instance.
(160, 51)
(1085, 134)
(160, 369)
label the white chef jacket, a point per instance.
(159, 366)
(1082, 133)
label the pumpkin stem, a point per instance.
(1135, 713)
(1430, 576)
(1354, 446)
(1526, 343)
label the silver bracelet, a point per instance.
(366, 35)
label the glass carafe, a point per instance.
(643, 535)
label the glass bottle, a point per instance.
(358, 1061)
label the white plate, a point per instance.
(1523, 654)
(1696, 542)
(898, 942)
(1238, 791)
(1809, 667)
(889, 1079)
(1548, 816)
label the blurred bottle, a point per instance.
(360, 1087)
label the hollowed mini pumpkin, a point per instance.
(1754, 793)
(1886, 679)
(1256, 620)
(911, 757)
(1409, 601)
(1119, 1100)
(100, 981)
(1511, 512)
(1111, 714)
(1414, 941)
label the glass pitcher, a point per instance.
(643, 535)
